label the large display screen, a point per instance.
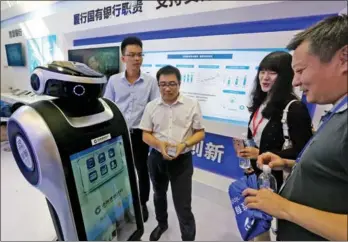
(104, 60)
(104, 191)
(14, 54)
(221, 80)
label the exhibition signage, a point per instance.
(15, 33)
(216, 154)
(108, 12)
(174, 3)
(101, 14)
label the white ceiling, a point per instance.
(11, 9)
(7, 4)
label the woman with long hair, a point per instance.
(272, 93)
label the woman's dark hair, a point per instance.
(281, 91)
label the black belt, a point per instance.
(181, 155)
(135, 131)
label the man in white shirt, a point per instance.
(172, 124)
(131, 91)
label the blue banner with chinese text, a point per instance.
(216, 154)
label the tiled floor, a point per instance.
(24, 214)
(214, 219)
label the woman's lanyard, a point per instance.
(333, 111)
(256, 126)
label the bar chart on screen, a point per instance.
(221, 80)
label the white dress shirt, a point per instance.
(172, 123)
(131, 99)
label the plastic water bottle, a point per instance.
(244, 163)
(266, 179)
(249, 143)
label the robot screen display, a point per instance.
(104, 191)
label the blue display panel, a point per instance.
(14, 54)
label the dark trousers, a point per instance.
(179, 172)
(140, 153)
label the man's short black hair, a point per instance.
(131, 40)
(325, 38)
(168, 70)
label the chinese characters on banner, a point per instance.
(216, 154)
(15, 33)
(117, 10)
(212, 151)
(171, 3)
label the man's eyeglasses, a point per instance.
(133, 55)
(169, 84)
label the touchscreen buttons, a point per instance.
(103, 169)
(101, 157)
(113, 164)
(90, 163)
(93, 176)
(111, 153)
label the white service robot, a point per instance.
(76, 150)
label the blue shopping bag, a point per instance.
(251, 222)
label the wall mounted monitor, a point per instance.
(105, 60)
(14, 53)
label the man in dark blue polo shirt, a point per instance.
(313, 202)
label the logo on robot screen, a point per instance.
(108, 201)
(101, 139)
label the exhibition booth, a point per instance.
(216, 45)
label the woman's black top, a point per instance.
(272, 139)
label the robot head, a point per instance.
(66, 79)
